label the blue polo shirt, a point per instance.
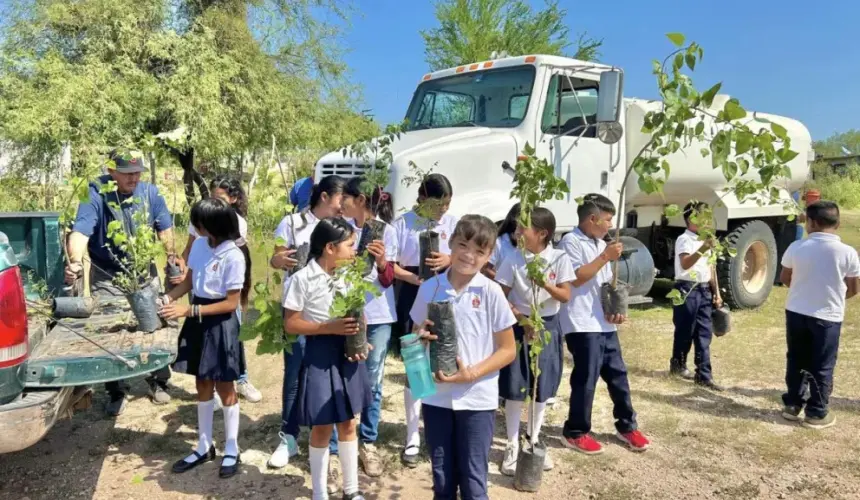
(300, 194)
(93, 218)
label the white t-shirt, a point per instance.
(243, 231)
(409, 226)
(501, 250)
(293, 223)
(310, 291)
(380, 310)
(690, 243)
(512, 274)
(480, 311)
(819, 265)
(584, 312)
(215, 271)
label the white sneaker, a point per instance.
(249, 392)
(548, 464)
(509, 463)
(287, 449)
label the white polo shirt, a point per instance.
(293, 223)
(215, 271)
(501, 250)
(480, 311)
(584, 312)
(380, 310)
(243, 231)
(819, 265)
(512, 274)
(310, 291)
(690, 243)
(409, 226)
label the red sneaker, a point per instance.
(584, 444)
(635, 441)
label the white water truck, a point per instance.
(471, 122)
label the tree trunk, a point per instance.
(190, 177)
(152, 178)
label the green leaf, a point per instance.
(708, 95)
(704, 152)
(743, 142)
(786, 155)
(676, 38)
(679, 61)
(778, 130)
(733, 110)
(700, 127)
(280, 242)
(733, 252)
(676, 297)
(666, 168)
(691, 61)
(672, 210)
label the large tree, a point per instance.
(470, 30)
(839, 144)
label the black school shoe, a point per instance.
(710, 384)
(229, 470)
(354, 496)
(410, 461)
(183, 466)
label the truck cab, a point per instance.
(471, 122)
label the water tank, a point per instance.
(636, 266)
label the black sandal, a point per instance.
(183, 466)
(410, 461)
(230, 470)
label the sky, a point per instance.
(792, 58)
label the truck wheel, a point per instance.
(747, 279)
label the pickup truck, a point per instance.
(47, 366)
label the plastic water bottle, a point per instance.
(417, 366)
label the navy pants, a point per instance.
(292, 366)
(693, 327)
(459, 444)
(810, 361)
(597, 354)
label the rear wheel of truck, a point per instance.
(747, 279)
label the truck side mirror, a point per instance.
(609, 97)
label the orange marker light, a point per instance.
(461, 69)
(488, 64)
(531, 59)
(473, 67)
(427, 77)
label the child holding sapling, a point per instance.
(692, 318)
(333, 389)
(430, 215)
(516, 381)
(209, 346)
(592, 336)
(459, 419)
(506, 242)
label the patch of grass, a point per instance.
(617, 491)
(815, 488)
(747, 489)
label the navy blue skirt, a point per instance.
(332, 389)
(209, 348)
(515, 380)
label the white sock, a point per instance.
(231, 433)
(348, 453)
(538, 411)
(413, 411)
(205, 412)
(319, 471)
(513, 412)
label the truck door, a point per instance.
(580, 158)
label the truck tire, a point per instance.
(747, 279)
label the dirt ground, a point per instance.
(731, 445)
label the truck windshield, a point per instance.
(492, 98)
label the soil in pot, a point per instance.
(614, 300)
(301, 256)
(428, 242)
(73, 307)
(443, 350)
(357, 344)
(145, 309)
(529, 471)
(371, 231)
(721, 319)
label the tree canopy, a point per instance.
(833, 145)
(470, 30)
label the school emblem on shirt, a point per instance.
(444, 235)
(476, 302)
(552, 275)
(214, 267)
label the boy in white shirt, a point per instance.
(692, 318)
(459, 419)
(822, 272)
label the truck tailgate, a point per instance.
(64, 358)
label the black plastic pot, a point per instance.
(529, 473)
(171, 270)
(614, 300)
(428, 242)
(721, 319)
(73, 307)
(443, 350)
(145, 309)
(357, 344)
(301, 256)
(372, 230)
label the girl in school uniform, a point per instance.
(434, 196)
(209, 346)
(332, 388)
(361, 206)
(506, 243)
(294, 231)
(516, 380)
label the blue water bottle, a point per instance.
(417, 366)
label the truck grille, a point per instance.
(343, 169)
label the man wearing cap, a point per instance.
(89, 233)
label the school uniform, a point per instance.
(407, 228)
(814, 312)
(459, 419)
(692, 319)
(243, 231)
(593, 342)
(516, 380)
(332, 389)
(503, 247)
(209, 347)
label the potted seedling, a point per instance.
(426, 210)
(351, 293)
